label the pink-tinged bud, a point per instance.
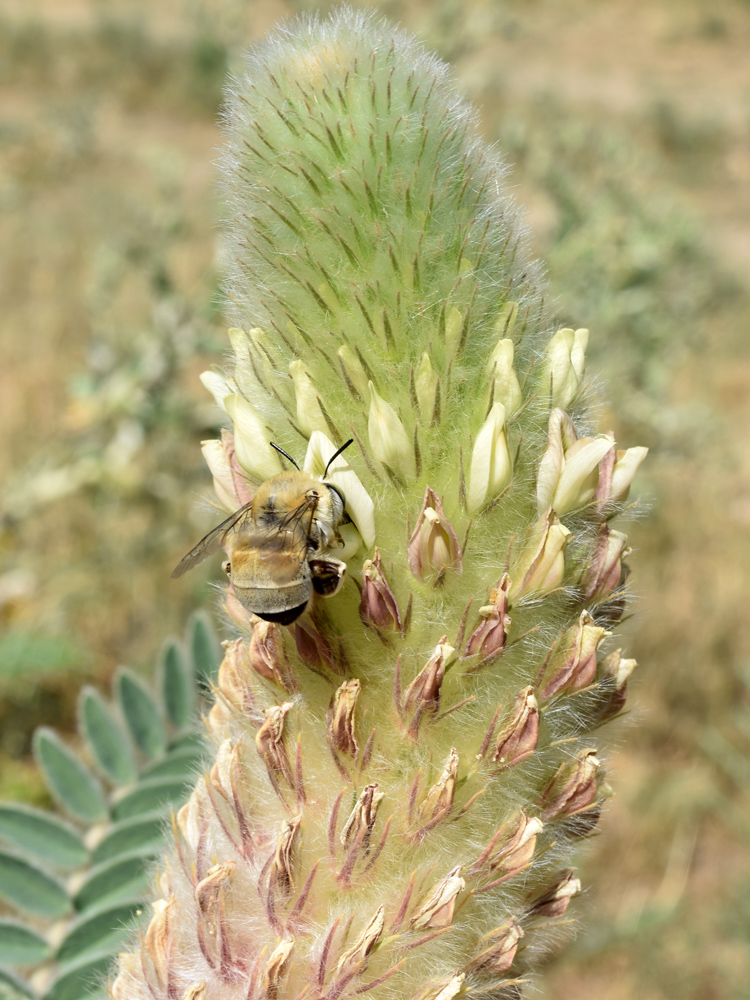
(565, 359)
(355, 958)
(276, 968)
(573, 788)
(604, 573)
(282, 873)
(615, 673)
(572, 666)
(490, 634)
(569, 469)
(541, 565)
(503, 944)
(268, 657)
(358, 827)
(158, 942)
(378, 605)
(439, 799)
(516, 848)
(433, 547)
(616, 473)
(208, 895)
(340, 721)
(234, 680)
(230, 482)
(314, 648)
(520, 736)
(438, 909)
(451, 989)
(269, 741)
(554, 902)
(424, 691)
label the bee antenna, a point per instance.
(335, 455)
(282, 452)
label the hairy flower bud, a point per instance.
(569, 470)
(388, 438)
(541, 565)
(358, 826)
(355, 958)
(572, 666)
(505, 387)
(354, 372)
(234, 678)
(520, 735)
(490, 634)
(282, 873)
(276, 968)
(377, 604)
(438, 802)
(616, 473)
(426, 389)
(340, 720)
(604, 572)
(452, 988)
(309, 414)
(554, 902)
(423, 694)
(433, 547)
(565, 358)
(573, 787)
(267, 655)
(270, 743)
(251, 439)
(157, 941)
(437, 910)
(616, 671)
(491, 466)
(501, 951)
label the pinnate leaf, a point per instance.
(109, 745)
(143, 834)
(41, 834)
(121, 880)
(141, 713)
(20, 945)
(31, 888)
(177, 685)
(69, 780)
(204, 649)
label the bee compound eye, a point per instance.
(227, 566)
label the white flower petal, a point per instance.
(359, 505)
(626, 466)
(218, 386)
(251, 440)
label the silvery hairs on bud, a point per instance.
(403, 773)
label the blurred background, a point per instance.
(627, 123)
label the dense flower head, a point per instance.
(396, 749)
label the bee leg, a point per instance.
(327, 575)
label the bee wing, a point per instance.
(212, 541)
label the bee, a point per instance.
(277, 544)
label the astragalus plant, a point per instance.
(402, 774)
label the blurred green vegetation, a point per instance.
(628, 127)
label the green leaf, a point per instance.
(12, 986)
(105, 930)
(151, 796)
(72, 784)
(82, 981)
(195, 740)
(178, 764)
(204, 648)
(141, 713)
(144, 835)
(41, 834)
(121, 880)
(31, 888)
(109, 744)
(177, 685)
(20, 945)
